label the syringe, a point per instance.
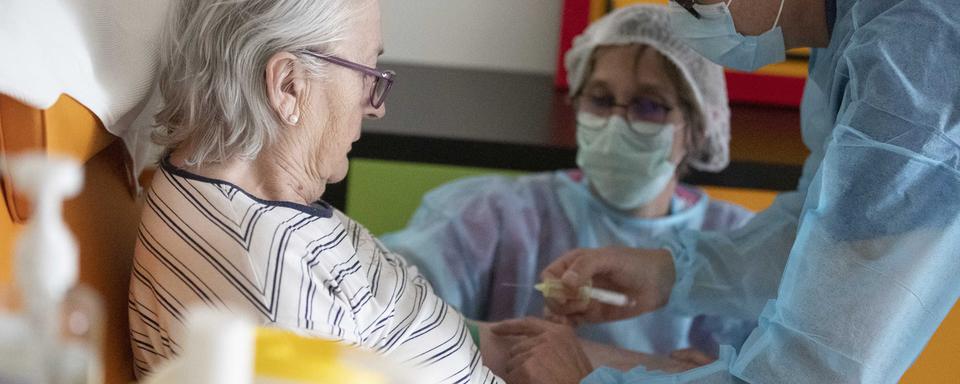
(554, 289)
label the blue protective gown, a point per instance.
(475, 238)
(851, 274)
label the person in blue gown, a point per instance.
(647, 108)
(849, 275)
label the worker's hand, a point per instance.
(691, 358)
(545, 353)
(646, 276)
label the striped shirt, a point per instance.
(205, 242)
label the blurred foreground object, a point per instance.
(49, 326)
(228, 349)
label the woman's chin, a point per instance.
(339, 174)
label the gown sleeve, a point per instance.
(458, 234)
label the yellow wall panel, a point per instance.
(753, 199)
(623, 3)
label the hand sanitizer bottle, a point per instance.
(63, 319)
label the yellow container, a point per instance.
(285, 357)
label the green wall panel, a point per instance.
(382, 195)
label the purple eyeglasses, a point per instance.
(639, 109)
(383, 79)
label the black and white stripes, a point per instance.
(207, 243)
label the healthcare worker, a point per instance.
(647, 108)
(849, 275)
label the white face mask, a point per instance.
(627, 164)
(715, 37)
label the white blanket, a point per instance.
(103, 53)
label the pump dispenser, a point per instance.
(62, 318)
(46, 253)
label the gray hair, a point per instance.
(213, 54)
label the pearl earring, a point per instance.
(293, 119)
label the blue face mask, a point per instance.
(715, 37)
(627, 164)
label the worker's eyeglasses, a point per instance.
(640, 109)
(383, 79)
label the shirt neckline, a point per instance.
(321, 209)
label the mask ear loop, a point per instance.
(775, 21)
(779, 12)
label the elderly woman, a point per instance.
(647, 108)
(263, 99)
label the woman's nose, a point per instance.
(621, 110)
(376, 113)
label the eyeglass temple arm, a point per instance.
(688, 5)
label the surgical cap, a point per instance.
(648, 25)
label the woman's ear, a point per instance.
(285, 83)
